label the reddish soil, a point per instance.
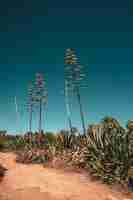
(34, 182)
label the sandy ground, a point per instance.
(34, 182)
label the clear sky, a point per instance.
(33, 38)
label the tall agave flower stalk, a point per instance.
(68, 88)
(75, 76)
(81, 110)
(30, 104)
(41, 96)
(68, 105)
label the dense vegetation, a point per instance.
(106, 151)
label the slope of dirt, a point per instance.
(34, 182)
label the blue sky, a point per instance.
(33, 38)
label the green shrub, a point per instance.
(108, 153)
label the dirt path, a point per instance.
(34, 182)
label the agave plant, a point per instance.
(107, 155)
(65, 140)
